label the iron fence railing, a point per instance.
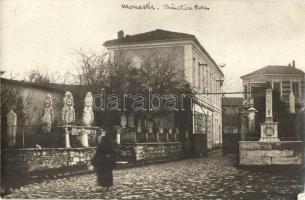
(35, 136)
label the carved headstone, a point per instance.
(12, 128)
(68, 114)
(88, 115)
(48, 114)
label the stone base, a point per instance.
(269, 139)
(255, 153)
(269, 132)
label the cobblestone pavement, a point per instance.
(213, 177)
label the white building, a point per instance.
(200, 70)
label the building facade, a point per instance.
(200, 70)
(282, 79)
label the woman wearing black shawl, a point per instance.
(104, 161)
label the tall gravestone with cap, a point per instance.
(48, 114)
(68, 116)
(12, 128)
(269, 129)
(87, 118)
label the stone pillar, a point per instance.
(85, 134)
(12, 128)
(67, 138)
(269, 129)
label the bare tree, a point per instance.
(36, 76)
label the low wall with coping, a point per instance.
(28, 161)
(270, 153)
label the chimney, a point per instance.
(120, 34)
(293, 64)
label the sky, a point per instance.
(45, 34)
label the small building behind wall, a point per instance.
(270, 123)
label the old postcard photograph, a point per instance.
(152, 99)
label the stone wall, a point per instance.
(154, 152)
(30, 161)
(270, 153)
(25, 161)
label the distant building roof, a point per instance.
(275, 69)
(56, 87)
(158, 35)
(232, 101)
(155, 35)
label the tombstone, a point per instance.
(244, 128)
(269, 129)
(291, 103)
(131, 120)
(123, 120)
(48, 114)
(150, 125)
(88, 118)
(118, 130)
(12, 128)
(88, 115)
(139, 126)
(68, 116)
(161, 129)
(251, 120)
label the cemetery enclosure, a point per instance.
(31, 161)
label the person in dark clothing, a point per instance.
(104, 161)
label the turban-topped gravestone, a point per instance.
(88, 115)
(12, 127)
(48, 114)
(68, 114)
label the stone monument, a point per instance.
(48, 114)
(269, 129)
(88, 117)
(68, 116)
(251, 119)
(12, 128)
